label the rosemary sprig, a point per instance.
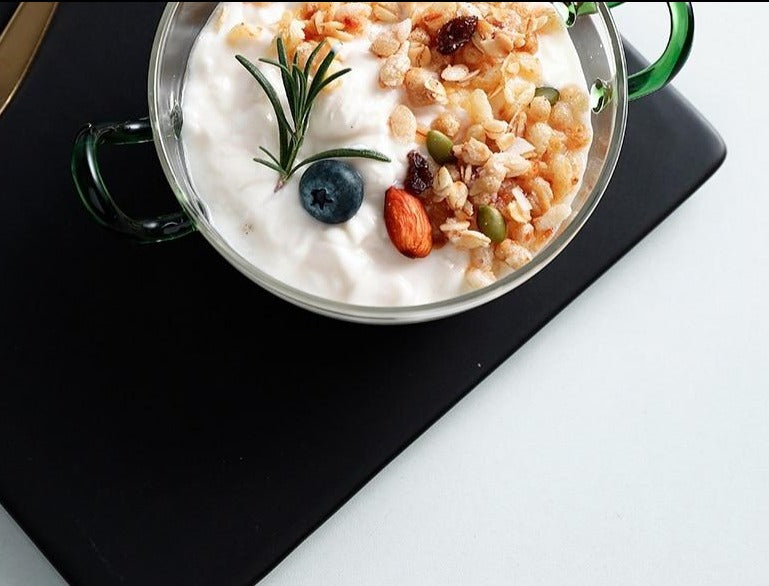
(301, 92)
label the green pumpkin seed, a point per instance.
(440, 147)
(551, 94)
(492, 224)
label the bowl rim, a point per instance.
(394, 314)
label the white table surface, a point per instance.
(627, 443)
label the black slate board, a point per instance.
(143, 438)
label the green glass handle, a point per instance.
(661, 72)
(95, 195)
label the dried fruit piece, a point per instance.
(438, 213)
(418, 177)
(408, 224)
(456, 33)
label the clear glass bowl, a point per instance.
(595, 37)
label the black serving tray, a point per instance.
(149, 435)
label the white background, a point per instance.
(628, 443)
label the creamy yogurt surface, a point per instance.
(227, 118)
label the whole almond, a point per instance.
(407, 223)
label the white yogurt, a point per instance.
(227, 118)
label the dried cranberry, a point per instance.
(438, 212)
(455, 34)
(419, 178)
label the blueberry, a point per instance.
(331, 191)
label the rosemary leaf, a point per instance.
(274, 64)
(344, 153)
(288, 80)
(321, 73)
(270, 164)
(311, 59)
(328, 81)
(281, 48)
(283, 126)
(301, 94)
(269, 154)
(296, 76)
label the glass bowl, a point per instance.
(598, 44)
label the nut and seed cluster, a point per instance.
(495, 169)
(503, 150)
